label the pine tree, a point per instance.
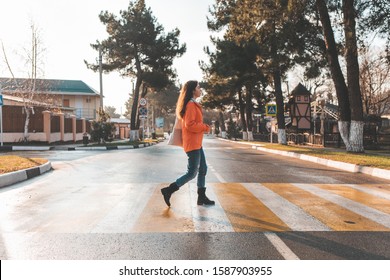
(285, 38)
(138, 48)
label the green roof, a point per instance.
(47, 85)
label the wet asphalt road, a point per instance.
(83, 209)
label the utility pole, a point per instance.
(100, 77)
(1, 116)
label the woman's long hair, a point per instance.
(186, 93)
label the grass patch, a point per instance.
(371, 160)
(15, 163)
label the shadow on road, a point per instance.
(346, 246)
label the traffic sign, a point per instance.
(143, 111)
(270, 109)
(1, 100)
(142, 102)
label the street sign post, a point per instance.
(270, 111)
(143, 114)
(1, 117)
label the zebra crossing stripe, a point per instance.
(278, 243)
(240, 207)
(382, 191)
(209, 218)
(381, 219)
(331, 213)
(79, 214)
(291, 214)
(361, 197)
(123, 214)
(157, 217)
(245, 212)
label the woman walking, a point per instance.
(189, 112)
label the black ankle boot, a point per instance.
(203, 199)
(168, 191)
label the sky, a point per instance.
(67, 28)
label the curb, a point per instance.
(49, 148)
(25, 148)
(349, 167)
(22, 175)
(125, 147)
(354, 168)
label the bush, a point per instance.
(233, 130)
(102, 130)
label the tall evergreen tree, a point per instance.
(232, 73)
(285, 37)
(137, 47)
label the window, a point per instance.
(88, 100)
(66, 103)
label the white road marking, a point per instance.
(363, 210)
(280, 246)
(289, 213)
(370, 191)
(219, 177)
(209, 218)
(122, 217)
(275, 240)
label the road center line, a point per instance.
(280, 246)
(219, 177)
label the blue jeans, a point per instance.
(196, 166)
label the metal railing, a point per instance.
(88, 114)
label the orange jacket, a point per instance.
(193, 127)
